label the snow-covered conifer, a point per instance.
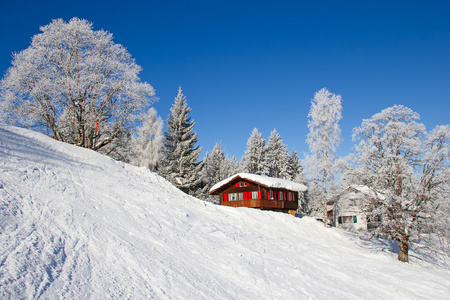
(295, 168)
(216, 167)
(179, 162)
(253, 160)
(323, 139)
(276, 159)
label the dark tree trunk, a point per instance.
(403, 247)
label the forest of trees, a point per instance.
(77, 86)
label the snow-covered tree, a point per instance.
(406, 166)
(276, 159)
(72, 79)
(253, 160)
(216, 167)
(146, 150)
(229, 167)
(179, 162)
(323, 139)
(295, 168)
(312, 204)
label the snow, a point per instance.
(264, 180)
(77, 225)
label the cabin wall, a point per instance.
(248, 194)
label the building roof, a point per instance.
(266, 181)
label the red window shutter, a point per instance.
(225, 197)
(248, 183)
(259, 194)
(245, 196)
(236, 184)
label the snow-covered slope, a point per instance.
(77, 225)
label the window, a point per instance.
(241, 196)
(347, 219)
(233, 196)
(290, 196)
(280, 195)
(255, 195)
(352, 202)
(371, 219)
(270, 194)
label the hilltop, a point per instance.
(75, 224)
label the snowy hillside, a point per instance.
(77, 225)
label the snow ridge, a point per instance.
(75, 224)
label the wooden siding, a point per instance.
(263, 201)
(263, 204)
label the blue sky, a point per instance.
(246, 64)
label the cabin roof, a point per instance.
(266, 181)
(363, 189)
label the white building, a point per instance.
(349, 209)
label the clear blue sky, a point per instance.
(246, 64)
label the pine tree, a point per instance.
(229, 167)
(179, 163)
(295, 168)
(146, 150)
(216, 167)
(323, 139)
(253, 160)
(312, 205)
(276, 160)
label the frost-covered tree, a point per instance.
(216, 167)
(323, 139)
(146, 150)
(179, 162)
(295, 168)
(312, 204)
(276, 159)
(254, 158)
(72, 79)
(406, 166)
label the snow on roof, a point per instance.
(263, 180)
(366, 191)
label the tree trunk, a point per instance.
(325, 200)
(403, 247)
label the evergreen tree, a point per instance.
(295, 168)
(229, 167)
(312, 205)
(179, 163)
(253, 160)
(146, 150)
(276, 160)
(216, 167)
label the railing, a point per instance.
(262, 203)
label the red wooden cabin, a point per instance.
(256, 191)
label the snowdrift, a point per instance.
(77, 225)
